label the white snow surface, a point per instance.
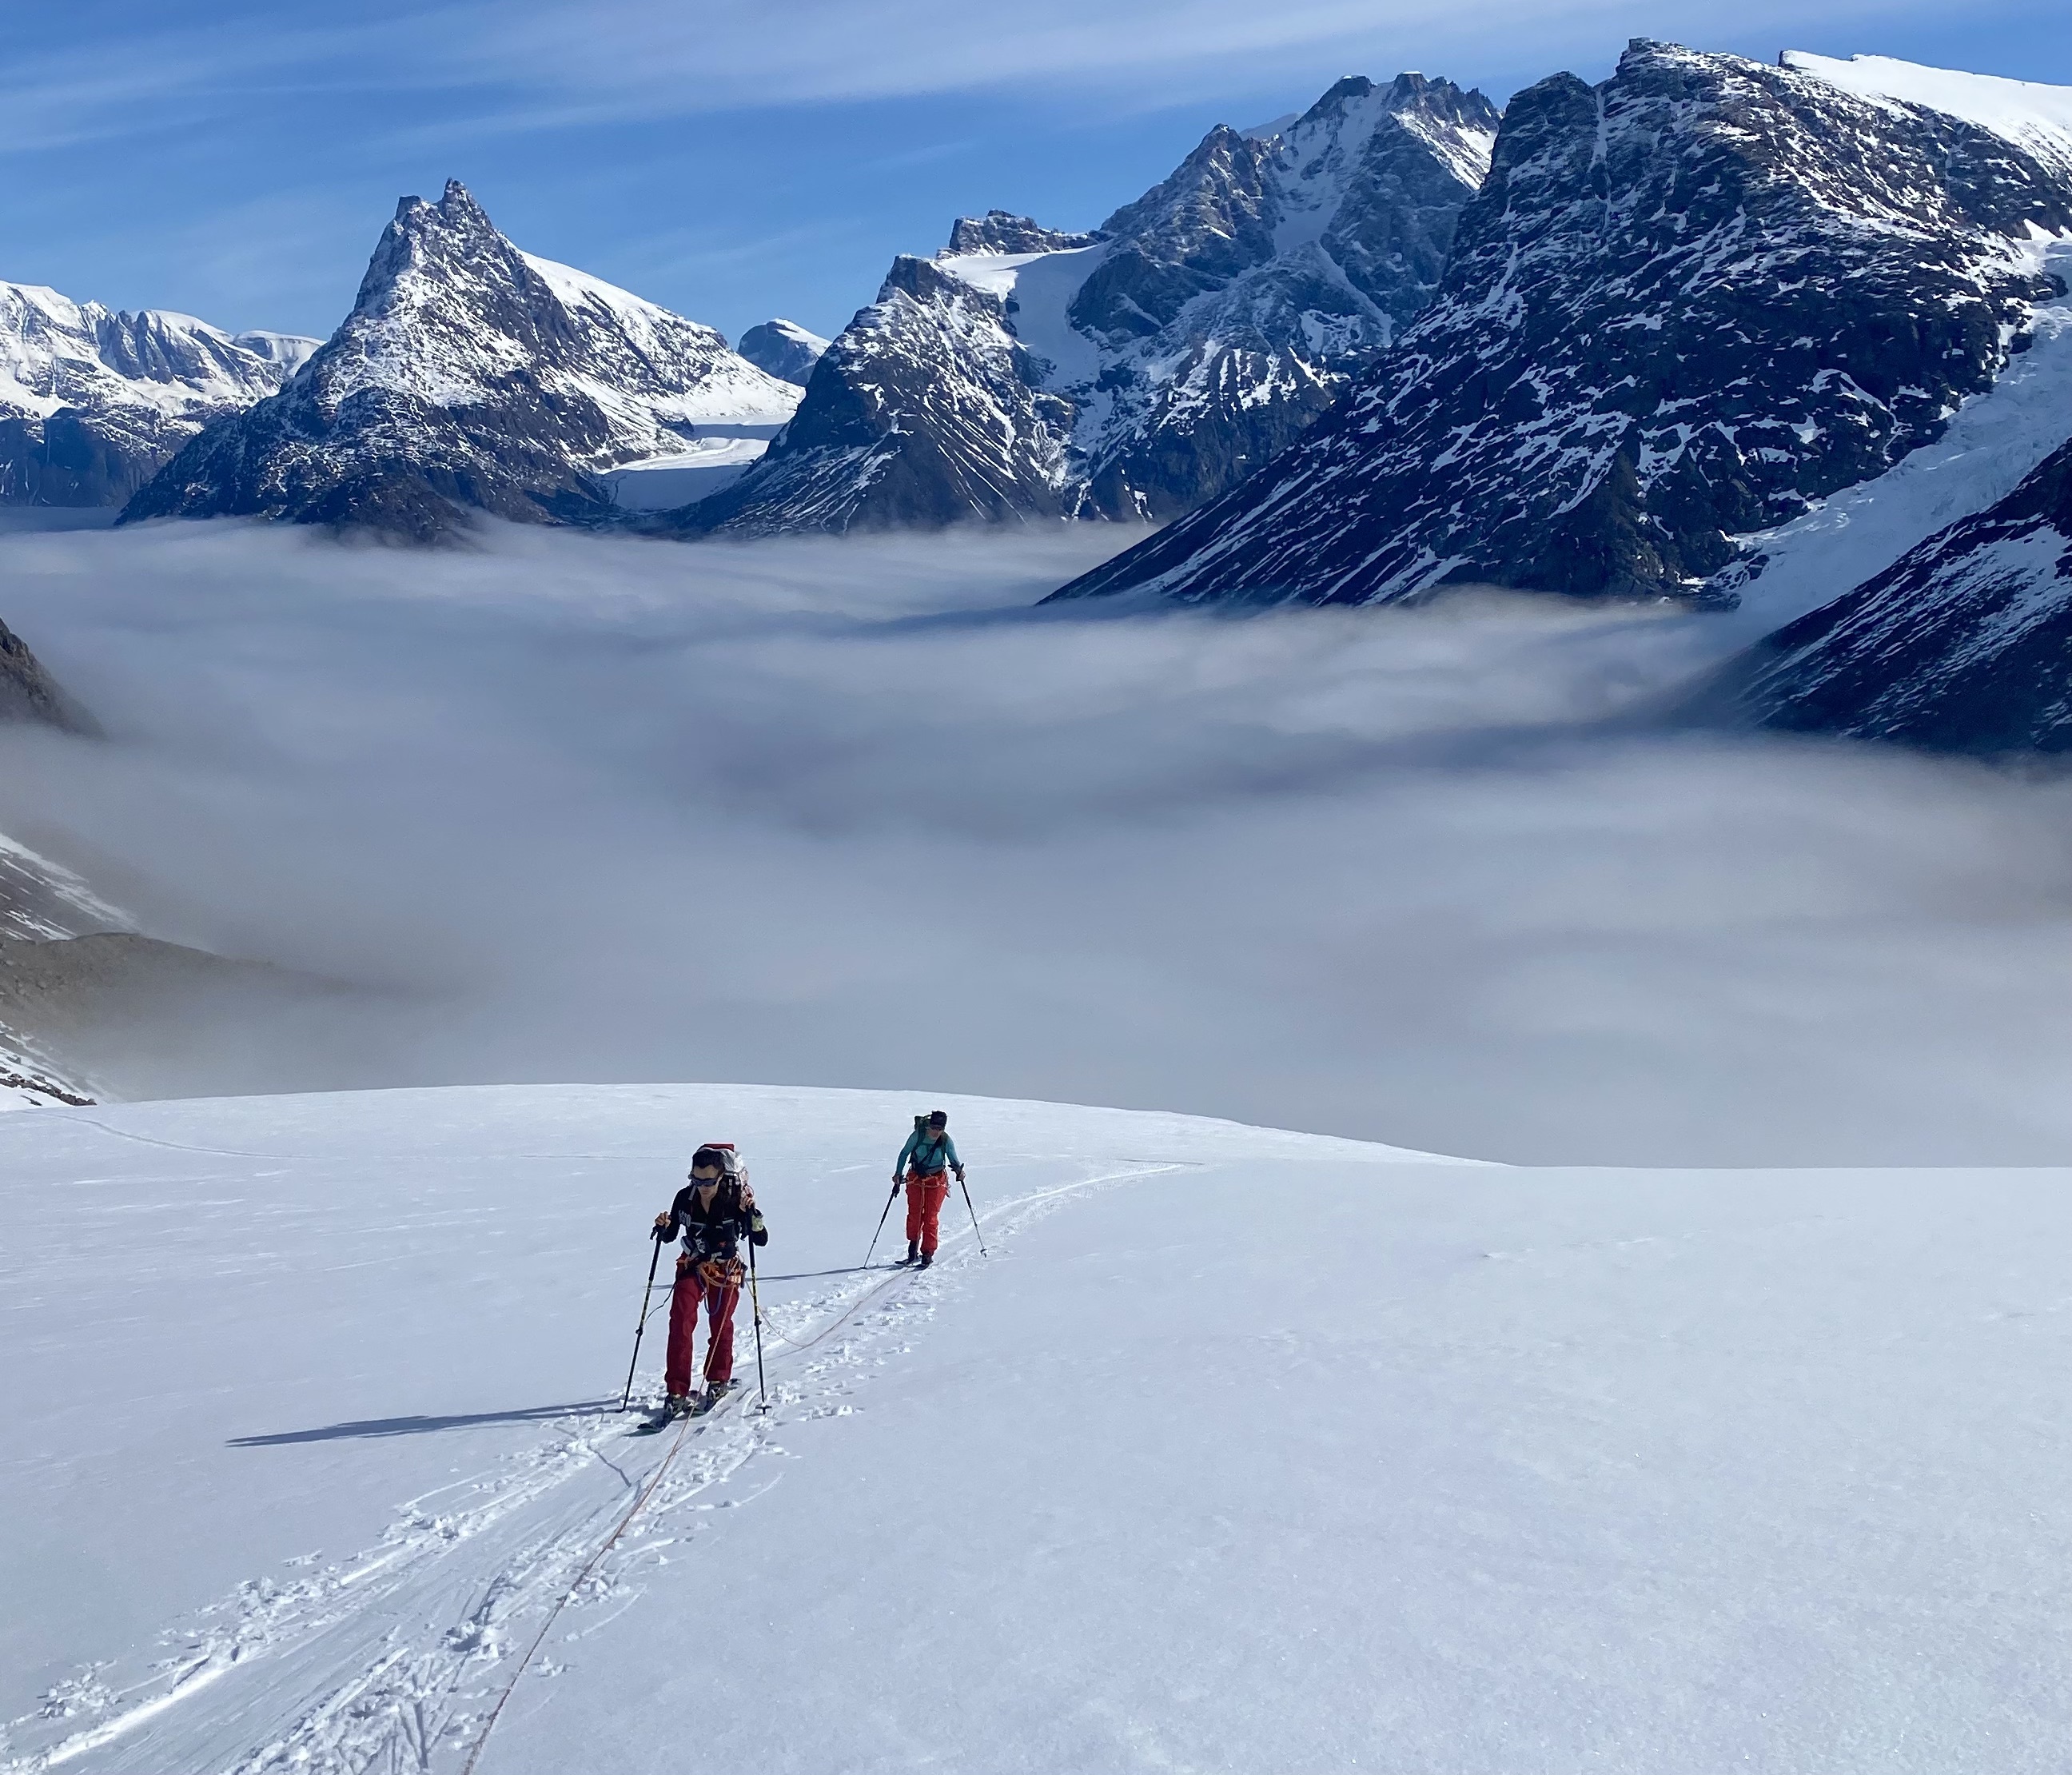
(725, 388)
(1994, 440)
(800, 335)
(1042, 286)
(1241, 1450)
(56, 352)
(2033, 117)
(661, 484)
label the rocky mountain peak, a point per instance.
(1001, 231)
(1138, 369)
(1685, 303)
(470, 374)
(425, 234)
(92, 400)
(782, 349)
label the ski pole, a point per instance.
(889, 1201)
(755, 1313)
(973, 1212)
(640, 1329)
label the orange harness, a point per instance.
(714, 1272)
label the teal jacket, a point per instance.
(929, 1154)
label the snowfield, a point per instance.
(1993, 441)
(1243, 1450)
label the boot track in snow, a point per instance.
(404, 1657)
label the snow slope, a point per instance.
(1688, 302)
(92, 400)
(2034, 117)
(1994, 439)
(40, 901)
(1243, 1450)
(469, 375)
(1133, 372)
(1959, 646)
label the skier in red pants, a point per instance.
(925, 1161)
(712, 1214)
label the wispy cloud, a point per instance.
(546, 64)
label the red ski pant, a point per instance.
(719, 1297)
(924, 1207)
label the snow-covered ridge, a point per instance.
(725, 389)
(131, 388)
(1691, 301)
(1136, 370)
(470, 373)
(57, 352)
(2036, 118)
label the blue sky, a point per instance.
(736, 158)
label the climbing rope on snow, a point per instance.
(662, 1468)
(568, 1596)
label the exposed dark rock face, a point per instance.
(1001, 231)
(119, 1014)
(1686, 303)
(469, 377)
(1135, 371)
(1963, 645)
(782, 349)
(93, 402)
(927, 411)
(28, 693)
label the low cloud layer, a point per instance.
(854, 813)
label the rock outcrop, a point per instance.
(1134, 371)
(1687, 303)
(1963, 645)
(94, 401)
(470, 376)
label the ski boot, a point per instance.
(913, 1252)
(676, 1406)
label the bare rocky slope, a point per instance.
(1688, 304)
(1136, 370)
(28, 693)
(1963, 645)
(469, 377)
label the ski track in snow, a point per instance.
(392, 1660)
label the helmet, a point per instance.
(718, 1153)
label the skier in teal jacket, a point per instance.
(925, 1162)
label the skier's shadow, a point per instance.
(419, 1426)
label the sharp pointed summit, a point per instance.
(469, 377)
(1688, 302)
(1137, 369)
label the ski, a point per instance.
(713, 1398)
